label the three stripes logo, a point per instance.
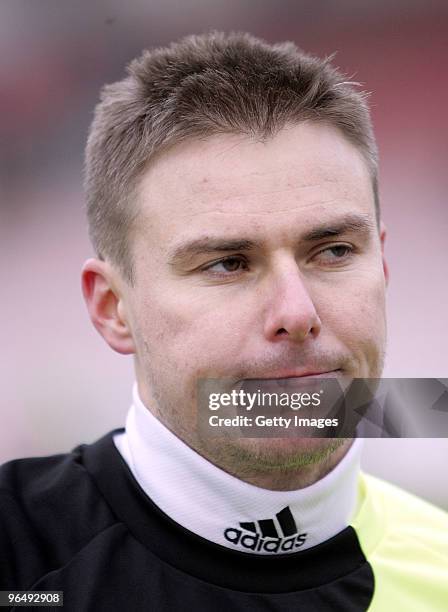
(271, 535)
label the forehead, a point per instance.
(305, 173)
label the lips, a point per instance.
(285, 375)
(306, 374)
(288, 381)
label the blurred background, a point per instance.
(60, 383)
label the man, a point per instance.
(233, 205)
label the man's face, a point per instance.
(255, 260)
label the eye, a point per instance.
(228, 265)
(337, 253)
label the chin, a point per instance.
(266, 454)
(290, 446)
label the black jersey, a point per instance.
(80, 523)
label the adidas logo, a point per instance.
(271, 535)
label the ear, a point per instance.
(382, 240)
(106, 306)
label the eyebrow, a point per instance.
(206, 245)
(350, 223)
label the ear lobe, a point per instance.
(383, 233)
(105, 306)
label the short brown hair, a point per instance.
(204, 85)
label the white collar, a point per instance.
(219, 507)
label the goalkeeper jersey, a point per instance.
(80, 523)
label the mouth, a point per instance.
(306, 374)
(292, 381)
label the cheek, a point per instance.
(191, 334)
(356, 312)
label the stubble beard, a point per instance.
(273, 463)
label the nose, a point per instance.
(291, 313)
